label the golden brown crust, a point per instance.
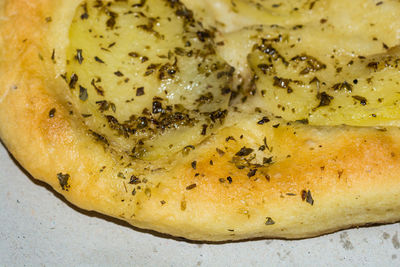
(323, 178)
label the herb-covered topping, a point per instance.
(269, 221)
(143, 92)
(190, 187)
(52, 112)
(306, 196)
(244, 151)
(79, 56)
(336, 82)
(63, 180)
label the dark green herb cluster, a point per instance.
(329, 87)
(144, 71)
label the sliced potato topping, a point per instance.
(356, 15)
(150, 79)
(229, 15)
(145, 75)
(303, 78)
(335, 66)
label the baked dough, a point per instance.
(296, 142)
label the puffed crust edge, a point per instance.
(326, 178)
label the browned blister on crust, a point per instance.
(255, 175)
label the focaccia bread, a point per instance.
(209, 120)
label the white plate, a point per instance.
(38, 228)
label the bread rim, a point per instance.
(324, 179)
